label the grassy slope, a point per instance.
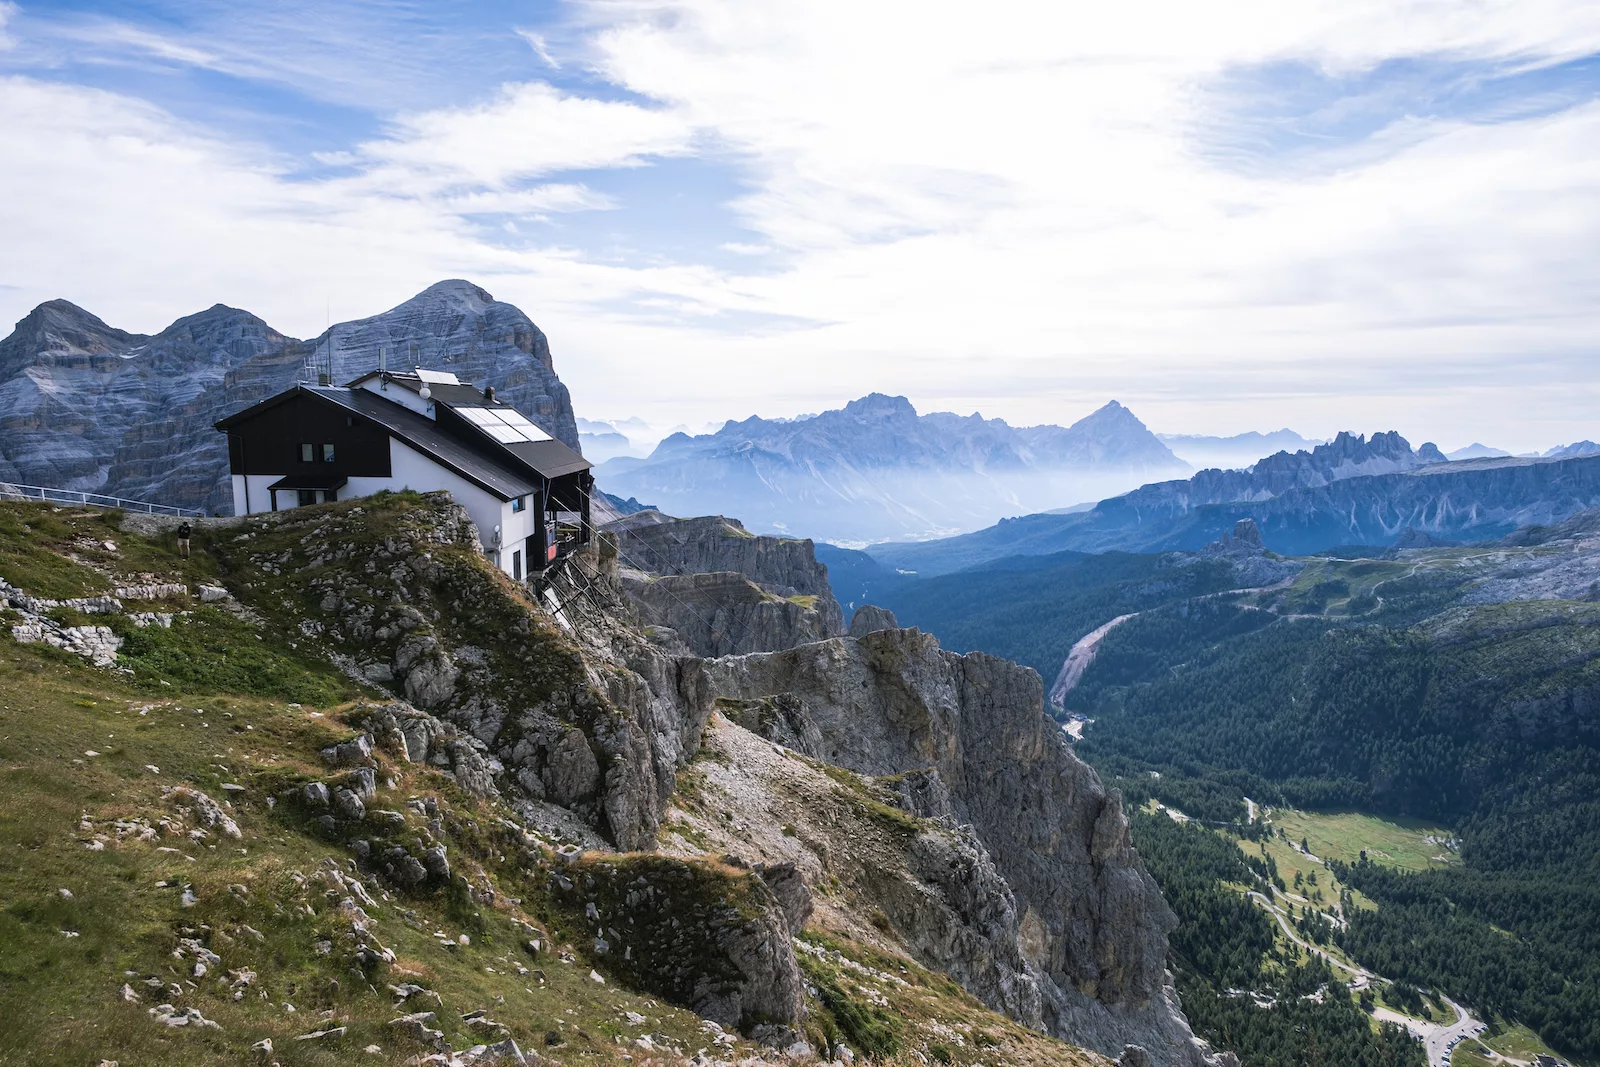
(212, 702)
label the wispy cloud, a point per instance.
(537, 43)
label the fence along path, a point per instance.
(50, 495)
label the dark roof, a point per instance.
(474, 460)
(308, 481)
(482, 463)
(550, 458)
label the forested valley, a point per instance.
(1391, 687)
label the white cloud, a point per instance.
(527, 130)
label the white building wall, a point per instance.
(410, 469)
(399, 394)
(260, 500)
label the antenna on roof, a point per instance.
(383, 359)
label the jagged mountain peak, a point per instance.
(60, 327)
(881, 405)
(1112, 416)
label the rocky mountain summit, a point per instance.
(876, 469)
(86, 406)
(815, 847)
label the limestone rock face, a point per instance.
(722, 590)
(495, 692)
(87, 406)
(712, 938)
(725, 613)
(1059, 923)
(869, 618)
(784, 566)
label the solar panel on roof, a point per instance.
(506, 425)
(519, 422)
(437, 377)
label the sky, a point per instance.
(1354, 214)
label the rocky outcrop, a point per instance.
(1089, 924)
(725, 613)
(723, 589)
(707, 935)
(396, 591)
(87, 406)
(870, 618)
(1253, 565)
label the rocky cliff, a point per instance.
(970, 734)
(725, 613)
(722, 589)
(974, 842)
(87, 406)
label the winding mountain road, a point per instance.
(1439, 1040)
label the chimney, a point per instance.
(488, 393)
(324, 378)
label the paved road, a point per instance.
(1444, 1038)
(1439, 1040)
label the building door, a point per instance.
(516, 565)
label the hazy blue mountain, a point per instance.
(876, 469)
(1578, 448)
(1304, 503)
(1476, 451)
(1233, 453)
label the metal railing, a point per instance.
(49, 495)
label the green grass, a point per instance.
(1518, 1042)
(36, 539)
(1343, 836)
(60, 994)
(1471, 1054)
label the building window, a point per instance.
(519, 504)
(327, 453)
(516, 565)
(308, 496)
(308, 453)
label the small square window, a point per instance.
(519, 504)
(327, 453)
(308, 453)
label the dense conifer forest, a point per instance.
(1370, 686)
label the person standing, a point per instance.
(184, 530)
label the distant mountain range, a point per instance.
(1232, 453)
(875, 469)
(86, 406)
(1351, 491)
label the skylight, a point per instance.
(506, 425)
